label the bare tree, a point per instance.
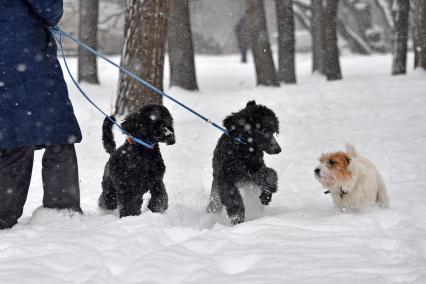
(316, 30)
(400, 10)
(331, 50)
(358, 42)
(385, 12)
(145, 32)
(286, 41)
(263, 61)
(181, 49)
(362, 22)
(420, 34)
(88, 32)
(302, 12)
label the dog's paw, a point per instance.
(265, 197)
(236, 219)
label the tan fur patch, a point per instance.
(337, 163)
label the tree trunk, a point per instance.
(88, 31)
(263, 61)
(316, 30)
(181, 49)
(331, 51)
(286, 41)
(145, 32)
(401, 15)
(420, 35)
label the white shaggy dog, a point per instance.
(353, 181)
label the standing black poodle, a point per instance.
(235, 163)
(132, 169)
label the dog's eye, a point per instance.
(167, 130)
(331, 162)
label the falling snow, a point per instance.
(299, 238)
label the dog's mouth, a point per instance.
(170, 140)
(273, 147)
(168, 136)
(273, 151)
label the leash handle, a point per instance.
(125, 132)
(60, 32)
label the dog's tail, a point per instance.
(108, 135)
(351, 151)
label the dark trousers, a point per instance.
(243, 51)
(60, 180)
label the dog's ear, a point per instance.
(230, 122)
(348, 159)
(251, 103)
(131, 124)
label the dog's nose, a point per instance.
(317, 171)
(277, 150)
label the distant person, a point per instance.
(242, 34)
(35, 111)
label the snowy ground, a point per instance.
(301, 238)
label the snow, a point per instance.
(299, 238)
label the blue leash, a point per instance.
(58, 31)
(137, 140)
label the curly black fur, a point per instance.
(132, 169)
(235, 163)
(107, 135)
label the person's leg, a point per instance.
(15, 176)
(60, 178)
(243, 55)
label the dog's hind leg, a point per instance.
(108, 198)
(230, 197)
(215, 206)
(382, 198)
(159, 200)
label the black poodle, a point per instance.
(235, 163)
(132, 169)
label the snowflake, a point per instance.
(72, 139)
(21, 67)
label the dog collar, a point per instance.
(341, 192)
(130, 140)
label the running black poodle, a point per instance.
(235, 163)
(132, 169)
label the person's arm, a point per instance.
(50, 11)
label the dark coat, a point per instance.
(34, 104)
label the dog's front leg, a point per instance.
(267, 179)
(230, 197)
